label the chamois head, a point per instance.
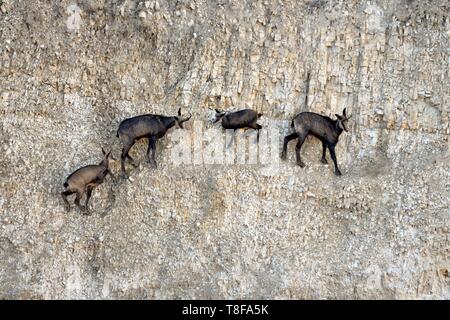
(219, 115)
(179, 121)
(342, 120)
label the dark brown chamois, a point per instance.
(321, 127)
(86, 179)
(151, 126)
(242, 119)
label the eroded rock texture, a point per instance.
(70, 71)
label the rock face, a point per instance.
(70, 71)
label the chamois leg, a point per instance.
(257, 134)
(152, 148)
(333, 156)
(88, 196)
(285, 144)
(298, 147)
(133, 162)
(77, 201)
(123, 157)
(324, 151)
(64, 195)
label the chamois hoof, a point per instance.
(125, 176)
(338, 173)
(324, 161)
(301, 164)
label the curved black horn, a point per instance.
(179, 112)
(345, 112)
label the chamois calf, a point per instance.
(86, 179)
(321, 127)
(243, 119)
(151, 126)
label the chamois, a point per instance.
(321, 127)
(151, 126)
(242, 119)
(85, 179)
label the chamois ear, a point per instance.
(338, 116)
(217, 110)
(179, 112)
(103, 151)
